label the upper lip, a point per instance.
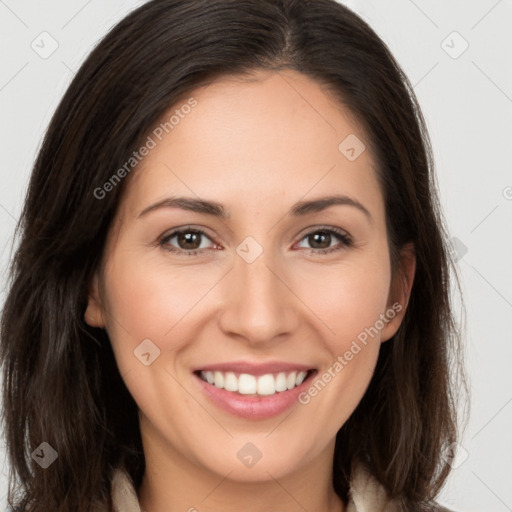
(254, 368)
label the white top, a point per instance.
(366, 494)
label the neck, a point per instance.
(156, 494)
(172, 482)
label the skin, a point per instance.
(256, 146)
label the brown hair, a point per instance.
(61, 383)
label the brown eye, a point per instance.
(188, 241)
(320, 240)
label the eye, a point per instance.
(321, 239)
(189, 241)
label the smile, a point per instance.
(247, 384)
(254, 391)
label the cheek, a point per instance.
(351, 301)
(148, 297)
(348, 298)
(141, 303)
(146, 304)
(352, 309)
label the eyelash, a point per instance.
(346, 240)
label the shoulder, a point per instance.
(440, 508)
(124, 497)
(368, 495)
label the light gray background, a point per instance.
(467, 101)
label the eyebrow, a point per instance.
(216, 209)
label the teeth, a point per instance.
(247, 384)
(290, 381)
(281, 382)
(266, 385)
(231, 382)
(300, 378)
(219, 380)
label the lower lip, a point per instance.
(254, 407)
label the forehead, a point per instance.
(271, 136)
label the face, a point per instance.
(262, 325)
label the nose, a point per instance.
(259, 304)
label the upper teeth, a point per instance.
(247, 384)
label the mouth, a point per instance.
(252, 391)
(255, 385)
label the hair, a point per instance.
(61, 384)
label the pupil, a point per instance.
(317, 236)
(189, 238)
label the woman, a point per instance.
(168, 341)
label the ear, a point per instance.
(94, 315)
(400, 291)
